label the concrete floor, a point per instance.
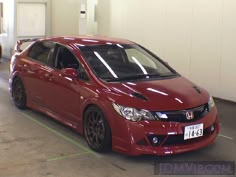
(33, 145)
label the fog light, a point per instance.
(212, 128)
(155, 140)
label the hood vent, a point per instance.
(197, 89)
(138, 95)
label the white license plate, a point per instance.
(193, 131)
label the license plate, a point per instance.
(193, 131)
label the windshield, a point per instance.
(124, 62)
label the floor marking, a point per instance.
(62, 136)
(117, 166)
(67, 156)
(226, 137)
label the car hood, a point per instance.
(163, 95)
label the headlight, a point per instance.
(132, 113)
(211, 103)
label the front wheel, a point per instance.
(97, 130)
(18, 93)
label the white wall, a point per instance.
(91, 17)
(62, 18)
(18, 20)
(197, 37)
(65, 17)
(7, 38)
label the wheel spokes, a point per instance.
(18, 93)
(95, 129)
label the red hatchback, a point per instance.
(116, 93)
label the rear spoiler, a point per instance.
(21, 41)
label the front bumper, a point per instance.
(134, 139)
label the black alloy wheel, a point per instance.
(18, 93)
(96, 130)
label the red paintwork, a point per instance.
(86, 40)
(45, 90)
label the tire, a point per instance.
(97, 131)
(18, 93)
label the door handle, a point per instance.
(49, 76)
(26, 66)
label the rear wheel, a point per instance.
(18, 93)
(96, 130)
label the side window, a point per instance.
(65, 59)
(41, 51)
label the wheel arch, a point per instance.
(99, 105)
(16, 76)
(108, 141)
(86, 108)
(20, 101)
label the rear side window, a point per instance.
(41, 51)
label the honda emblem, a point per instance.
(189, 115)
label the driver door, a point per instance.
(64, 91)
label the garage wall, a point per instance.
(196, 37)
(7, 37)
(62, 19)
(25, 22)
(91, 17)
(65, 17)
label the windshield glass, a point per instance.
(122, 62)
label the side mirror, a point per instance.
(69, 73)
(82, 75)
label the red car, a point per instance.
(115, 92)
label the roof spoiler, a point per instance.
(21, 41)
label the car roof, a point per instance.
(88, 40)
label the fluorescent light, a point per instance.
(89, 40)
(81, 45)
(157, 91)
(69, 38)
(106, 65)
(140, 65)
(131, 83)
(177, 99)
(120, 46)
(162, 116)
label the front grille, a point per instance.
(180, 116)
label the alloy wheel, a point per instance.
(18, 94)
(96, 129)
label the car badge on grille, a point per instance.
(189, 115)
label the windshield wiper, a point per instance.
(133, 77)
(140, 76)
